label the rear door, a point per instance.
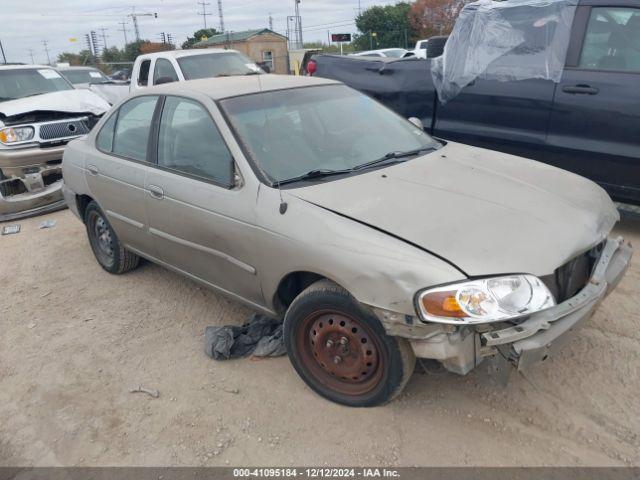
(202, 222)
(117, 171)
(595, 123)
(508, 116)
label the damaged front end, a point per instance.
(578, 286)
(31, 148)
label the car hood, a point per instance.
(485, 212)
(68, 101)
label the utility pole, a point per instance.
(4, 57)
(221, 16)
(135, 16)
(104, 38)
(163, 37)
(298, 25)
(169, 39)
(359, 8)
(33, 60)
(124, 31)
(204, 12)
(270, 21)
(46, 49)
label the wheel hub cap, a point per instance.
(103, 235)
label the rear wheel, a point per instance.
(108, 250)
(341, 350)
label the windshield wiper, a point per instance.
(393, 156)
(319, 173)
(252, 73)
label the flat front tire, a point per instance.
(341, 350)
(107, 249)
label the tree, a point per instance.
(198, 35)
(112, 55)
(385, 27)
(435, 17)
(76, 59)
(153, 47)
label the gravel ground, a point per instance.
(74, 340)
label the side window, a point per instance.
(143, 75)
(190, 142)
(612, 40)
(104, 141)
(133, 127)
(165, 71)
(267, 59)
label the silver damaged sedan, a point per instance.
(375, 242)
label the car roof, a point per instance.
(224, 87)
(183, 53)
(23, 67)
(72, 67)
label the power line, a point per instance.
(204, 12)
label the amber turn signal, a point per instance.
(442, 304)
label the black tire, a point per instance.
(106, 247)
(324, 312)
(435, 46)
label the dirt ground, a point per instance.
(74, 340)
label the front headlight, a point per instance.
(485, 300)
(16, 134)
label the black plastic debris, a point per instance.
(261, 336)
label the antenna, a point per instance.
(283, 204)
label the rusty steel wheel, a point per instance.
(341, 350)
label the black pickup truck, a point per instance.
(588, 123)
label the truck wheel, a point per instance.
(111, 255)
(340, 349)
(435, 46)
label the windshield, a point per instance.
(25, 82)
(291, 132)
(215, 65)
(85, 76)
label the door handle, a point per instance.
(156, 192)
(93, 170)
(581, 89)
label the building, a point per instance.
(264, 46)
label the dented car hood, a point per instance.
(71, 101)
(485, 212)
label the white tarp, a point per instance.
(504, 40)
(70, 101)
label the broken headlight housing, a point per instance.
(16, 134)
(484, 300)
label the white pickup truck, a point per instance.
(180, 65)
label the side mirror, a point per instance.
(417, 122)
(162, 80)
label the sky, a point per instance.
(24, 26)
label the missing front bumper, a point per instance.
(538, 337)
